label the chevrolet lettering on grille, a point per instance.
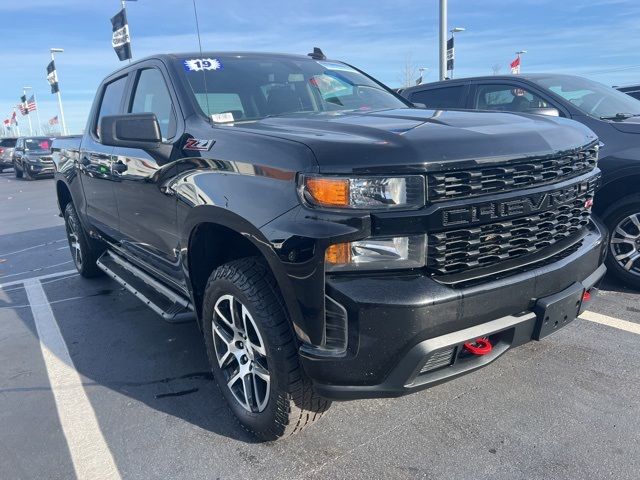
(489, 211)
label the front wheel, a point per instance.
(253, 352)
(16, 172)
(623, 221)
(84, 251)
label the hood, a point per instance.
(416, 140)
(628, 125)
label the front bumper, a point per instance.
(397, 324)
(39, 168)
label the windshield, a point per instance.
(249, 87)
(591, 98)
(38, 144)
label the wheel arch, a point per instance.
(213, 236)
(609, 197)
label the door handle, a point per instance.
(119, 167)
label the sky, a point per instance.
(599, 39)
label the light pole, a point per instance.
(124, 7)
(25, 106)
(453, 35)
(35, 99)
(64, 124)
(443, 39)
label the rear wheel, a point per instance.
(623, 221)
(253, 352)
(84, 251)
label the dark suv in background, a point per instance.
(32, 157)
(612, 115)
(633, 90)
(6, 153)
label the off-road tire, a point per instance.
(89, 249)
(616, 214)
(292, 403)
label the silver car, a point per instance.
(7, 146)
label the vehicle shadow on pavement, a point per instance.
(612, 284)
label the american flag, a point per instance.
(23, 109)
(54, 120)
(31, 103)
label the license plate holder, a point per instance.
(557, 311)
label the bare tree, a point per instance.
(495, 68)
(50, 130)
(409, 73)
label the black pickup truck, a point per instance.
(332, 240)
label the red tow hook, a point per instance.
(480, 346)
(586, 296)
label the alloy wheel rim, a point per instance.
(625, 244)
(74, 244)
(241, 354)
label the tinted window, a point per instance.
(111, 99)
(250, 87)
(441, 98)
(8, 142)
(152, 96)
(507, 98)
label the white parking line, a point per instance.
(611, 322)
(40, 277)
(90, 454)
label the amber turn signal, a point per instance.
(337, 254)
(329, 192)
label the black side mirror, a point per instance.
(132, 130)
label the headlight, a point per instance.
(367, 193)
(377, 254)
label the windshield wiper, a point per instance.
(620, 116)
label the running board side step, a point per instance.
(172, 307)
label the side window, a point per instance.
(441, 98)
(111, 99)
(508, 98)
(152, 96)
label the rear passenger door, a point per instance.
(96, 159)
(442, 98)
(147, 208)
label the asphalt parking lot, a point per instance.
(94, 384)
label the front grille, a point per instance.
(519, 174)
(455, 251)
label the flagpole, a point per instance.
(64, 124)
(443, 39)
(25, 105)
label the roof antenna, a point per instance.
(316, 54)
(204, 75)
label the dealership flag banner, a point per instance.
(121, 41)
(14, 119)
(24, 109)
(515, 66)
(52, 77)
(54, 120)
(31, 103)
(450, 54)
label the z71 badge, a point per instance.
(198, 145)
